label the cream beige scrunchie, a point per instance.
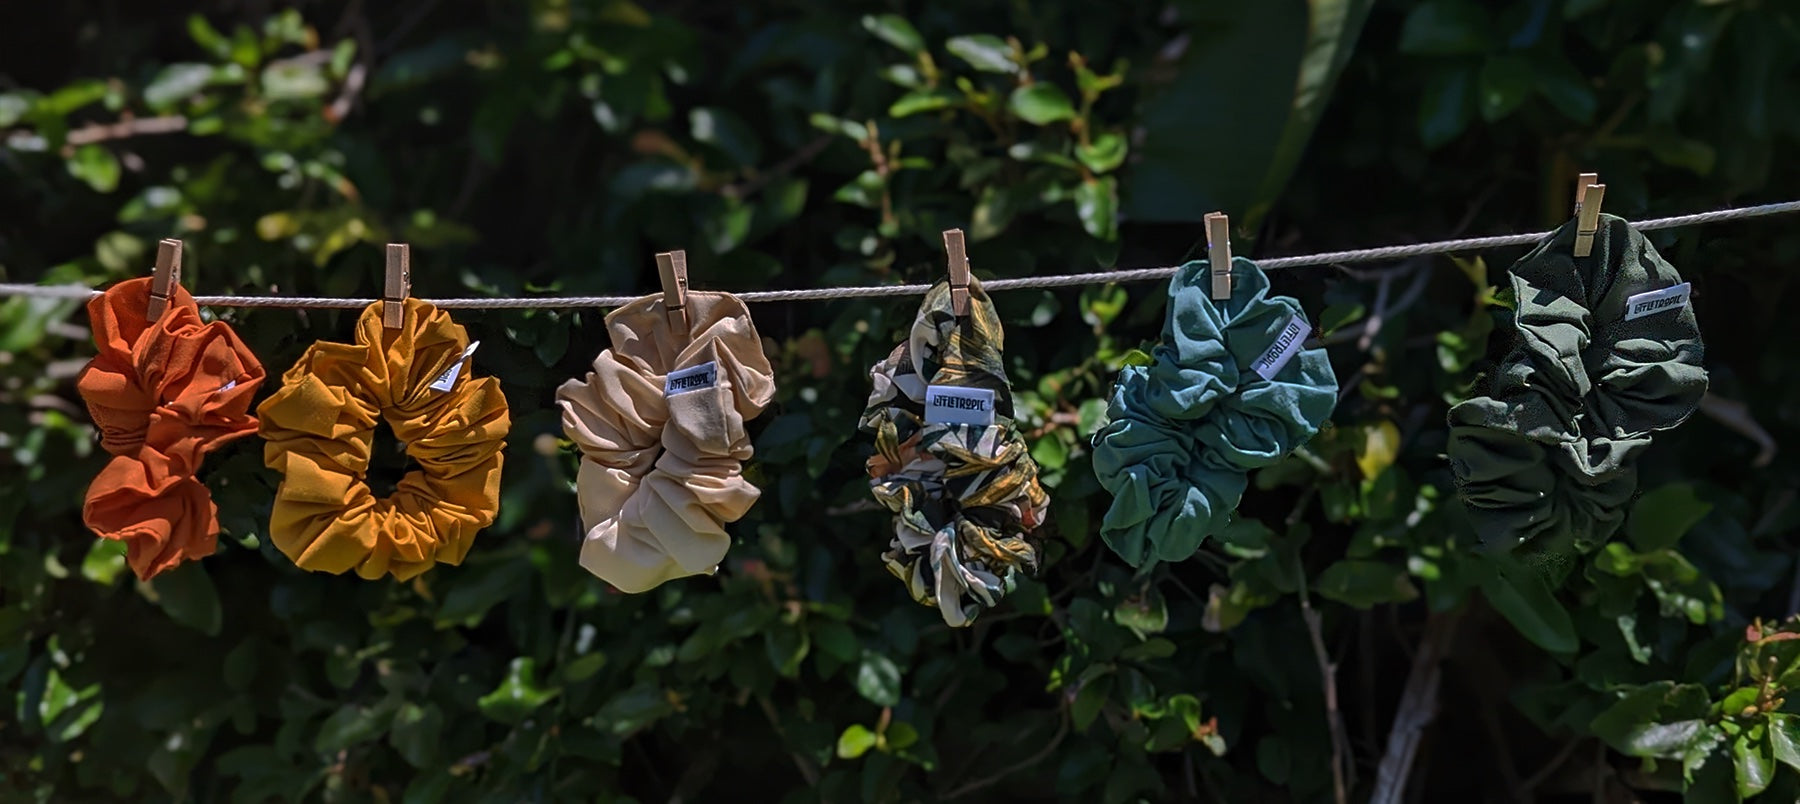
(660, 423)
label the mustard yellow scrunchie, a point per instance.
(319, 427)
(660, 423)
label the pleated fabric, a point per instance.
(1548, 457)
(1184, 432)
(320, 427)
(662, 458)
(965, 497)
(163, 395)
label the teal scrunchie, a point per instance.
(1549, 455)
(1185, 431)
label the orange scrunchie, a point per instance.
(320, 426)
(164, 395)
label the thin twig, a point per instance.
(807, 153)
(1340, 741)
(1418, 707)
(1556, 762)
(1062, 730)
(125, 129)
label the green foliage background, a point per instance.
(553, 146)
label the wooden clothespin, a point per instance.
(957, 257)
(1588, 199)
(671, 266)
(1581, 184)
(166, 278)
(1218, 253)
(399, 285)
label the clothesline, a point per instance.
(1378, 254)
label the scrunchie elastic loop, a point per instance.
(965, 497)
(1185, 431)
(320, 427)
(660, 424)
(163, 395)
(1548, 456)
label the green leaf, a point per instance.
(1754, 760)
(187, 595)
(924, 100)
(1524, 598)
(1041, 104)
(878, 679)
(480, 587)
(1089, 700)
(1050, 452)
(13, 106)
(726, 132)
(1364, 584)
(1695, 156)
(1446, 28)
(96, 166)
(1144, 614)
(787, 646)
(176, 82)
(352, 725)
(288, 80)
(1506, 82)
(67, 711)
(1300, 49)
(984, 52)
(1097, 205)
(1784, 738)
(104, 562)
(895, 30)
(1105, 154)
(1448, 106)
(836, 640)
(416, 733)
(518, 695)
(1662, 719)
(1663, 515)
(1565, 88)
(855, 741)
(901, 736)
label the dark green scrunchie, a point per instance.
(1185, 431)
(965, 497)
(1549, 456)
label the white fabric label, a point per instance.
(447, 379)
(947, 404)
(226, 387)
(1286, 345)
(1657, 301)
(693, 378)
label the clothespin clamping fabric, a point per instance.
(957, 257)
(1218, 253)
(671, 266)
(1589, 193)
(399, 285)
(165, 280)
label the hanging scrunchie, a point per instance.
(964, 493)
(1232, 388)
(320, 427)
(164, 394)
(660, 425)
(1607, 353)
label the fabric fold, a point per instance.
(1606, 353)
(163, 395)
(660, 422)
(1231, 388)
(320, 426)
(965, 496)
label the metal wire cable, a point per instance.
(1379, 254)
